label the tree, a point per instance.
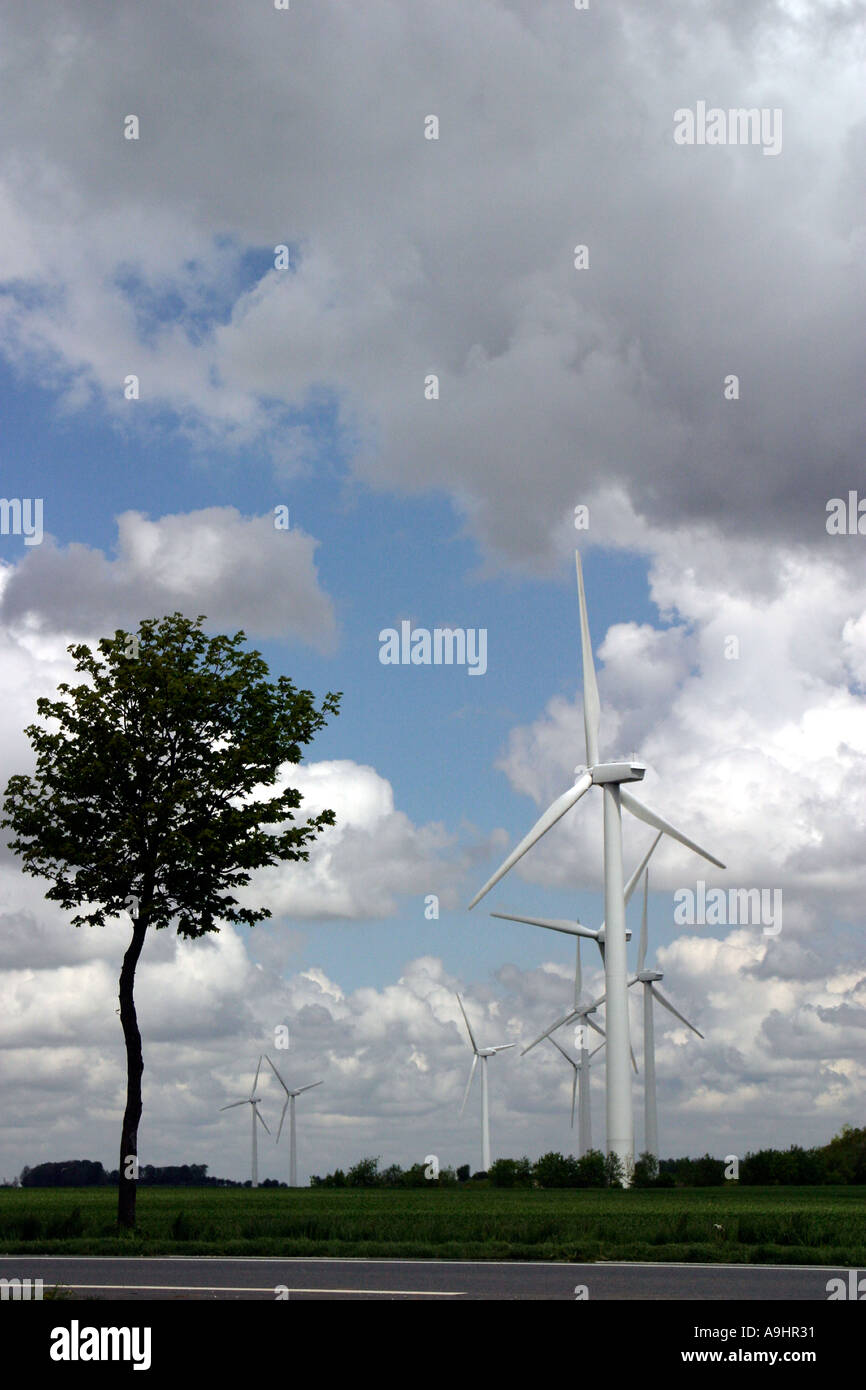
(555, 1170)
(614, 1173)
(591, 1169)
(148, 797)
(365, 1173)
(646, 1170)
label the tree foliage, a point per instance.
(145, 778)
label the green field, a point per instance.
(787, 1225)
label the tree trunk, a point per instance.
(128, 1170)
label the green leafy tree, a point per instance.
(365, 1173)
(510, 1172)
(590, 1169)
(148, 797)
(614, 1173)
(555, 1170)
(646, 1170)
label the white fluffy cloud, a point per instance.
(761, 758)
(238, 571)
(369, 858)
(777, 1064)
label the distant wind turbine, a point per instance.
(290, 1106)
(253, 1102)
(648, 979)
(483, 1053)
(580, 1092)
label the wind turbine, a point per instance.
(483, 1053)
(610, 776)
(648, 979)
(580, 1092)
(253, 1102)
(290, 1106)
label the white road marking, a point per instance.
(249, 1288)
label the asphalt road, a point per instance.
(183, 1279)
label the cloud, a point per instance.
(456, 256)
(370, 858)
(238, 571)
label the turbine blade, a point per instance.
(469, 1082)
(234, 1104)
(561, 1049)
(643, 813)
(502, 1047)
(591, 705)
(554, 812)
(578, 977)
(641, 955)
(256, 1082)
(635, 878)
(596, 1049)
(469, 1030)
(282, 1117)
(633, 1058)
(657, 994)
(592, 1023)
(301, 1089)
(573, 1094)
(277, 1075)
(259, 1118)
(560, 1023)
(551, 923)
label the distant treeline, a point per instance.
(83, 1172)
(841, 1162)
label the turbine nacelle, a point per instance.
(617, 772)
(646, 977)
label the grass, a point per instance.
(772, 1225)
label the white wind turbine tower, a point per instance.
(610, 776)
(483, 1053)
(253, 1102)
(290, 1106)
(648, 979)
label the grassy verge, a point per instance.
(825, 1225)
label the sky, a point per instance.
(337, 273)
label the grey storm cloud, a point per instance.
(455, 256)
